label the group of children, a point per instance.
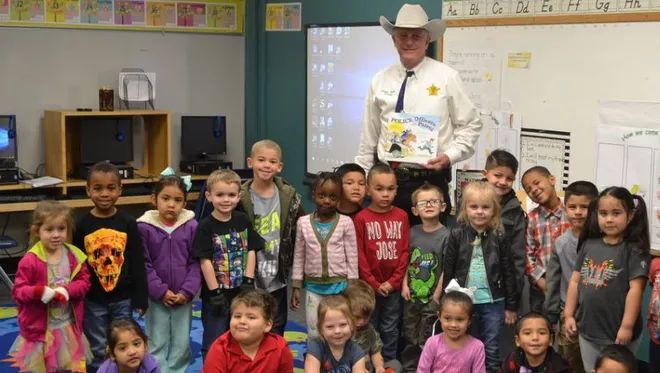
(586, 259)
(374, 287)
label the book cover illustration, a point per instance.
(411, 138)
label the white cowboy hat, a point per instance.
(414, 16)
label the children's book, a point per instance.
(411, 138)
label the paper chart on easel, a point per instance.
(629, 155)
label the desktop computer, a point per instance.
(203, 141)
(203, 167)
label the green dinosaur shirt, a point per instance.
(425, 264)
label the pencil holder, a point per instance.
(106, 99)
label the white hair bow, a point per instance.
(454, 286)
(187, 180)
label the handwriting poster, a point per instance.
(547, 148)
(481, 73)
(628, 155)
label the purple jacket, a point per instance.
(168, 256)
(149, 365)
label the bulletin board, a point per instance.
(554, 71)
(207, 16)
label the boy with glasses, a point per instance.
(420, 288)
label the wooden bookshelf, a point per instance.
(62, 141)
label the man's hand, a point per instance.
(439, 163)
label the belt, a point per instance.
(406, 173)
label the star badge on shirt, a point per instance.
(433, 90)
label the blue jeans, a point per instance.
(95, 324)
(215, 321)
(386, 318)
(490, 319)
(281, 298)
(654, 357)
(168, 329)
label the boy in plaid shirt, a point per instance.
(546, 223)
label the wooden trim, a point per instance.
(555, 20)
(85, 202)
(545, 20)
(96, 113)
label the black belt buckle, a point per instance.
(421, 173)
(402, 173)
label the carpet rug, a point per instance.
(295, 334)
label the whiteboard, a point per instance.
(571, 68)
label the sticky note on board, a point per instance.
(519, 60)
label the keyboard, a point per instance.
(22, 198)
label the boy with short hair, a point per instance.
(249, 346)
(546, 223)
(420, 285)
(353, 181)
(115, 259)
(362, 299)
(500, 172)
(273, 206)
(225, 245)
(561, 265)
(382, 236)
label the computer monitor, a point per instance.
(202, 136)
(8, 148)
(106, 139)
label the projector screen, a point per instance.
(341, 61)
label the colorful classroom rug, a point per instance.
(295, 334)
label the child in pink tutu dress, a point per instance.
(51, 283)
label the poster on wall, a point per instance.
(283, 17)
(208, 16)
(548, 148)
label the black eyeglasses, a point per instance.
(430, 202)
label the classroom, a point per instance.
(568, 85)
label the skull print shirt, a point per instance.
(115, 258)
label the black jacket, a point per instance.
(497, 259)
(514, 221)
